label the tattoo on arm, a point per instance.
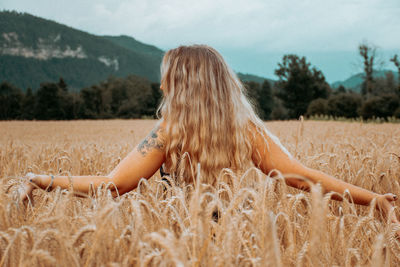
(150, 142)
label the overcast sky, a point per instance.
(251, 34)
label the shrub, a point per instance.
(318, 106)
(344, 105)
(380, 106)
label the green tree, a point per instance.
(48, 105)
(67, 106)
(156, 96)
(28, 105)
(62, 85)
(390, 83)
(10, 101)
(279, 112)
(260, 95)
(253, 92)
(299, 84)
(385, 85)
(318, 106)
(94, 105)
(139, 101)
(130, 97)
(78, 106)
(66, 100)
(344, 105)
(265, 100)
(118, 89)
(368, 52)
(380, 106)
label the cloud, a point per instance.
(274, 25)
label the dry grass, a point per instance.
(263, 222)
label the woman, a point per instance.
(207, 124)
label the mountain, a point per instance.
(354, 82)
(253, 78)
(134, 45)
(35, 50)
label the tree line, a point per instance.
(303, 90)
(300, 90)
(130, 97)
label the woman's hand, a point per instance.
(385, 203)
(31, 182)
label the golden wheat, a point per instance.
(261, 221)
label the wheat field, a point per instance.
(262, 221)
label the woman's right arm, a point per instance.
(142, 162)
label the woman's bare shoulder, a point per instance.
(154, 140)
(263, 139)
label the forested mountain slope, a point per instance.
(34, 50)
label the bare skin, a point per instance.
(149, 155)
(142, 162)
(273, 157)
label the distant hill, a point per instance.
(354, 82)
(253, 78)
(34, 50)
(135, 46)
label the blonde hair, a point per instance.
(206, 115)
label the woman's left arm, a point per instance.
(269, 154)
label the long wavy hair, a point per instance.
(206, 114)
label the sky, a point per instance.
(252, 35)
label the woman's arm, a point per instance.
(142, 162)
(269, 154)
